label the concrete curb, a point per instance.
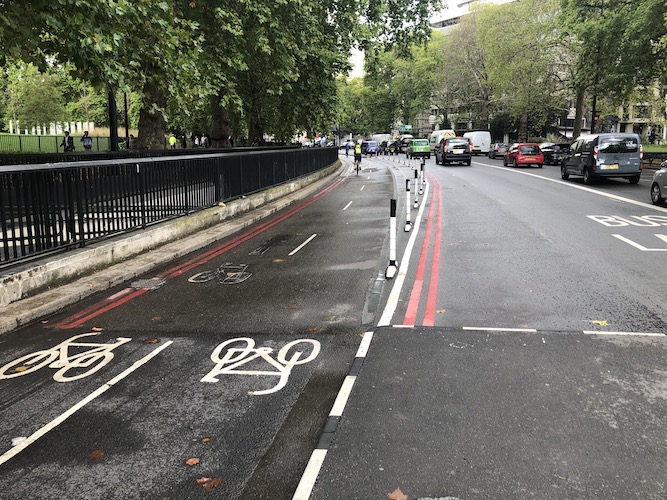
(45, 287)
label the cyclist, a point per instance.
(357, 156)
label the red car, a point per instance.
(524, 153)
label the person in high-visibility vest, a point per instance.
(357, 155)
(172, 141)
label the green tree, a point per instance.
(33, 98)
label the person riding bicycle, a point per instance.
(357, 153)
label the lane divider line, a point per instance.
(484, 329)
(64, 416)
(307, 482)
(347, 206)
(302, 245)
(635, 334)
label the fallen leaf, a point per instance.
(230, 402)
(96, 455)
(97, 329)
(192, 461)
(151, 341)
(278, 261)
(313, 329)
(397, 494)
(599, 322)
(441, 311)
(292, 308)
(330, 318)
(45, 321)
(209, 482)
(20, 368)
(156, 318)
(206, 440)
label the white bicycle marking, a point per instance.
(236, 357)
(59, 358)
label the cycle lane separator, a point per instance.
(312, 470)
(18, 448)
(307, 482)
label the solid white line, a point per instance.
(365, 344)
(638, 246)
(484, 329)
(347, 206)
(634, 334)
(392, 301)
(362, 187)
(309, 477)
(402, 326)
(343, 395)
(582, 188)
(60, 419)
(302, 245)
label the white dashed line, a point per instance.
(302, 245)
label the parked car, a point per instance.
(524, 153)
(453, 150)
(553, 153)
(372, 148)
(418, 148)
(659, 185)
(498, 149)
(594, 156)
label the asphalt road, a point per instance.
(516, 354)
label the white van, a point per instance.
(437, 135)
(481, 141)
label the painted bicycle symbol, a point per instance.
(60, 358)
(235, 357)
(227, 274)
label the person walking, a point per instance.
(68, 142)
(347, 148)
(87, 141)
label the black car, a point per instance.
(453, 150)
(553, 153)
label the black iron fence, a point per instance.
(26, 143)
(48, 208)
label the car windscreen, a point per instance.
(372, 144)
(529, 150)
(457, 142)
(618, 144)
(420, 142)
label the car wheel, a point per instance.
(656, 195)
(634, 179)
(515, 164)
(588, 177)
(469, 162)
(563, 173)
(504, 161)
(539, 165)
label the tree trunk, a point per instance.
(523, 127)
(221, 129)
(152, 125)
(578, 112)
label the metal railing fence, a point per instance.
(50, 208)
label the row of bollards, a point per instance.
(419, 183)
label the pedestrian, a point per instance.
(347, 148)
(172, 141)
(204, 141)
(133, 142)
(184, 144)
(68, 142)
(87, 141)
(196, 141)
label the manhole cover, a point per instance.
(149, 284)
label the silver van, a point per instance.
(594, 156)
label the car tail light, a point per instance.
(641, 152)
(595, 154)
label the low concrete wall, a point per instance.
(59, 269)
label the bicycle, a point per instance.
(357, 162)
(59, 358)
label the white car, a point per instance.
(659, 185)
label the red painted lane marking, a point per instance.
(429, 313)
(128, 294)
(415, 295)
